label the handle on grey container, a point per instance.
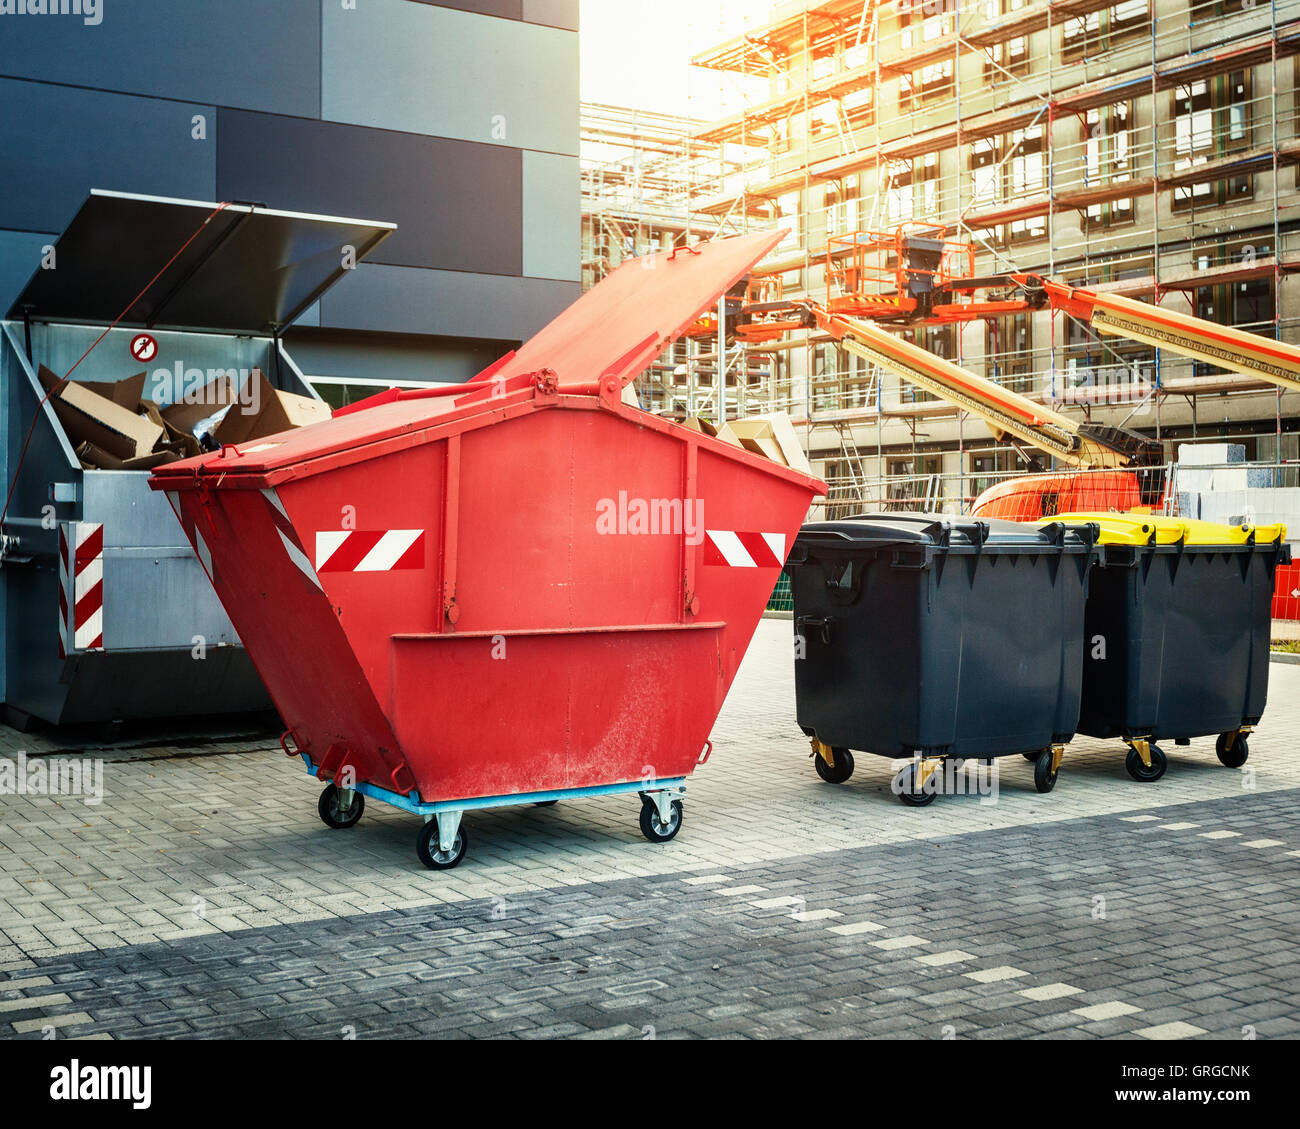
(976, 531)
(823, 624)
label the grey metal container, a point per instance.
(166, 647)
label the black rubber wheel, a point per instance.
(431, 853)
(1044, 774)
(1032, 758)
(840, 771)
(331, 816)
(1140, 771)
(912, 796)
(1233, 755)
(654, 828)
(545, 803)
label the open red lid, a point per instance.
(620, 325)
(616, 329)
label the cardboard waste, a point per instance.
(113, 426)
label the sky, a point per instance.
(637, 53)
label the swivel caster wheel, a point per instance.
(428, 847)
(1232, 749)
(1146, 774)
(653, 826)
(912, 794)
(330, 806)
(1044, 771)
(840, 771)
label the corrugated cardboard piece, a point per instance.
(112, 427)
(721, 431)
(774, 437)
(89, 417)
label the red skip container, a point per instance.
(513, 591)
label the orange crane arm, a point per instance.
(1006, 412)
(1222, 345)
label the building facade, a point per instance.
(458, 121)
(1147, 148)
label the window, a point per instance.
(925, 173)
(842, 206)
(1008, 351)
(898, 193)
(1025, 171)
(1108, 157)
(1099, 31)
(1211, 120)
(984, 171)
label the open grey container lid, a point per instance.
(250, 270)
(942, 531)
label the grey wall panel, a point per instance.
(402, 300)
(236, 53)
(456, 204)
(59, 143)
(446, 73)
(556, 13)
(552, 216)
(20, 256)
(375, 356)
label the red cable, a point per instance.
(59, 384)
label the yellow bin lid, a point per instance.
(1152, 529)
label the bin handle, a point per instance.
(824, 625)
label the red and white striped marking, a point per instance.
(289, 538)
(199, 545)
(81, 587)
(373, 550)
(737, 549)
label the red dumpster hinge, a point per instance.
(546, 383)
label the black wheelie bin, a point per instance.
(1177, 633)
(929, 637)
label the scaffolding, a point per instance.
(1145, 148)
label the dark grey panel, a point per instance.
(236, 53)
(402, 300)
(20, 256)
(59, 143)
(456, 204)
(506, 9)
(555, 13)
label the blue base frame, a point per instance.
(412, 802)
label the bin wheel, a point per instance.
(432, 854)
(909, 793)
(1044, 775)
(840, 771)
(331, 816)
(545, 803)
(654, 828)
(1233, 755)
(1140, 772)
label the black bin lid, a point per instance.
(945, 531)
(248, 270)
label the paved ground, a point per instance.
(203, 897)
